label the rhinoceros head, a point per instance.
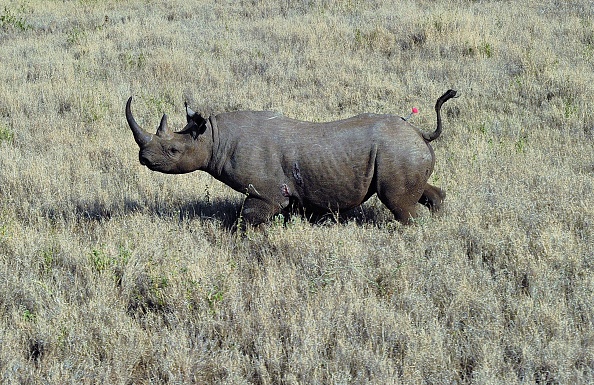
(173, 152)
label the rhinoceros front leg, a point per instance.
(258, 210)
(432, 197)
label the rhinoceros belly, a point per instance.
(337, 180)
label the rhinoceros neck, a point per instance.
(213, 166)
(235, 136)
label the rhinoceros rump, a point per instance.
(277, 161)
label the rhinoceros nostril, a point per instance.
(143, 160)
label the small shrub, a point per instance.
(133, 60)
(487, 50)
(10, 20)
(75, 36)
(215, 293)
(521, 144)
(29, 316)
(100, 260)
(569, 108)
(6, 135)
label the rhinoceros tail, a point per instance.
(443, 98)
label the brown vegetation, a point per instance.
(110, 273)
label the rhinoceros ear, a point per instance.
(189, 113)
(199, 125)
(193, 116)
(163, 132)
(198, 129)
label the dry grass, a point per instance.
(112, 274)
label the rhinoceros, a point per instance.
(278, 162)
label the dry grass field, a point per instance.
(113, 274)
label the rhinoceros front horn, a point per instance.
(140, 136)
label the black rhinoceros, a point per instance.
(277, 161)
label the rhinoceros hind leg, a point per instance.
(403, 209)
(257, 211)
(432, 197)
(405, 215)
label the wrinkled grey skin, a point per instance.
(277, 161)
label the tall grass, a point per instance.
(110, 273)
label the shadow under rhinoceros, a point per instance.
(224, 211)
(227, 212)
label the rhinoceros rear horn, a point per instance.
(140, 136)
(164, 132)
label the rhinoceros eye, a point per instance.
(172, 150)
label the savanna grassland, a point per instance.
(113, 274)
